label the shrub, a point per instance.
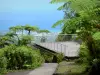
(96, 38)
(84, 54)
(95, 68)
(52, 57)
(60, 57)
(26, 39)
(48, 57)
(3, 62)
(22, 57)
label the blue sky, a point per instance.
(33, 12)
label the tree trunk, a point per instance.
(29, 32)
(18, 39)
(92, 51)
(22, 32)
(91, 46)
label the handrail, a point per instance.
(52, 43)
(55, 46)
(59, 47)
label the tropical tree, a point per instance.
(26, 39)
(43, 38)
(43, 31)
(75, 8)
(6, 39)
(68, 14)
(86, 17)
(31, 28)
(13, 37)
(21, 39)
(17, 29)
(3, 41)
(13, 29)
(20, 28)
(85, 21)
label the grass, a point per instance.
(70, 68)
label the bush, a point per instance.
(3, 62)
(96, 38)
(26, 39)
(84, 54)
(22, 57)
(48, 57)
(52, 57)
(95, 68)
(60, 57)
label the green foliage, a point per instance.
(5, 40)
(26, 39)
(48, 57)
(62, 37)
(9, 38)
(52, 57)
(84, 14)
(29, 28)
(70, 68)
(84, 54)
(60, 57)
(21, 57)
(17, 28)
(60, 22)
(96, 38)
(13, 36)
(85, 21)
(43, 31)
(3, 62)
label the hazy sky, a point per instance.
(33, 12)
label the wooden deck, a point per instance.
(69, 49)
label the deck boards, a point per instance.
(70, 49)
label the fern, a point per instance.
(60, 22)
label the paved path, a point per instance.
(46, 69)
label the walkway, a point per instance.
(46, 69)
